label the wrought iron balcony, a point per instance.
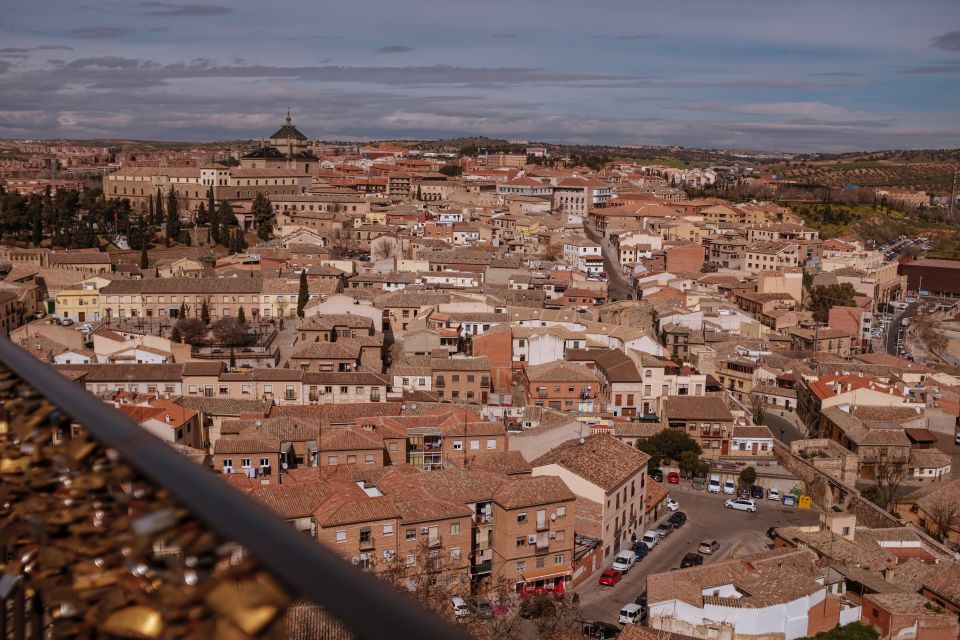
(105, 531)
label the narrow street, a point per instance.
(618, 288)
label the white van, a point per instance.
(650, 538)
(713, 484)
(624, 560)
(631, 613)
(460, 608)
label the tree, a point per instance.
(419, 193)
(183, 310)
(889, 472)
(231, 332)
(144, 259)
(852, 631)
(748, 476)
(175, 334)
(201, 215)
(233, 359)
(691, 465)
(303, 295)
(943, 512)
(173, 216)
(831, 295)
(451, 170)
(241, 316)
(205, 313)
(384, 247)
(191, 330)
(158, 208)
(211, 205)
(553, 252)
(759, 407)
(667, 445)
(262, 215)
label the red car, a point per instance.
(673, 477)
(610, 577)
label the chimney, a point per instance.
(168, 418)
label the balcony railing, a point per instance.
(366, 543)
(117, 534)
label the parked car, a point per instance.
(642, 598)
(650, 538)
(632, 613)
(698, 482)
(657, 475)
(460, 608)
(672, 504)
(713, 485)
(66, 322)
(601, 630)
(624, 560)
(673, 477)
(86, 328)
(772, 533)
(729, 487)
(36, 315)
(773, 494)
(641, 549)
(665, 529)
(610, 577)
(741, 505)
(678, 519)
(743, 492)
(480, 607)
(708, 547)
(756, 492)
(691, 560)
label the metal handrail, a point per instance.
(369, 607)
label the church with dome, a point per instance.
(287, 148)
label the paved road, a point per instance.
(782, 428)
(738, 533)
(617, 286)
(894, 327)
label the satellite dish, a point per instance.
(284, 466)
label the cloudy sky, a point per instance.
(794, 75)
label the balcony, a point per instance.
(542, 525)
(160, 525)
(366, 544)
(484, 567)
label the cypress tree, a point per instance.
(144, 260)
(241, 316)
(173, 216)
(201, 215)
(158, 209)
(183, 309)
(205, 313)
(211, 205)
(233, 359)
(303, 295)
(175, 336)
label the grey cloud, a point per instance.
(54, 47)
(505, 36)
(4, 66)
(184, 10)
(395, 48)
(15, 50)
(634, 36)
(949, 41)
(838, 74)
(100, 32)
(104, 62)
(932, 69)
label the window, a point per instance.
(561, 511)
(541, 562)
(455, 552)
(341, 537)
(474, 445)
(562, 535)
(193, 388)
(410, 560)
(521, 541)
(351, 459)
(458, 445)
(369, 459)
(410, 534)
(454, 528)
(245, 463)
(559, 558)
(332, 460)
(264, 462)
(491, 444)
(521, 518)
(228, 462)
(245, 389)
(521, 566)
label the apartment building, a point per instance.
(706, 419)
(563, 386)
(608, 478)
(461, 379)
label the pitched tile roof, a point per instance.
(517, 493)
(696, 408)
(600, 459)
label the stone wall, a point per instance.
(829, 457)
(829, 493)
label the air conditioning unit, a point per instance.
(531, 539)
(553, 535)
(426, 467)
(388, 554)
(424, 530)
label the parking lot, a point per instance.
(739, 534)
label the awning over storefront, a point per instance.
(556, 571)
